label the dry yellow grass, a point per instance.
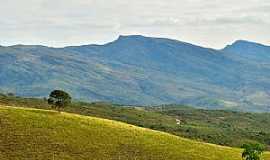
(32, 134)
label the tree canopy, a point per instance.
(252, 151)
(59, 99)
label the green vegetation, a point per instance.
(252, 151)
(40, 134)
(219, 127)
(59, 99)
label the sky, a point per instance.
(58, 23)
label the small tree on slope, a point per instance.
(252, 151)
(59, 99)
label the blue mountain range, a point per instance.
(138, 70)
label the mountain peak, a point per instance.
(252, 50)
(244, 43)
(132, 37)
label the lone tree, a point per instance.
(59, 99)
(252, 151)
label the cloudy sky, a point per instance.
(210, 23)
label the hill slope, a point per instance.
(39, 134)
(130, 70)
(249, 51)
(227, 128)
(142, 71)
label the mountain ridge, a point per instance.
(138, 36)
(139, 70)
(246, 42)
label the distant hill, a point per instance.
(40, 134)
(254, 52)
(138, 70)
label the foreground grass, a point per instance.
(39, 134)
(226, 128)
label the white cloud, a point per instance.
(212, 23)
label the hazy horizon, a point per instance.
(213, 24)
(104, 43)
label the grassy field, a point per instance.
(40, 134)
(226, 128)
